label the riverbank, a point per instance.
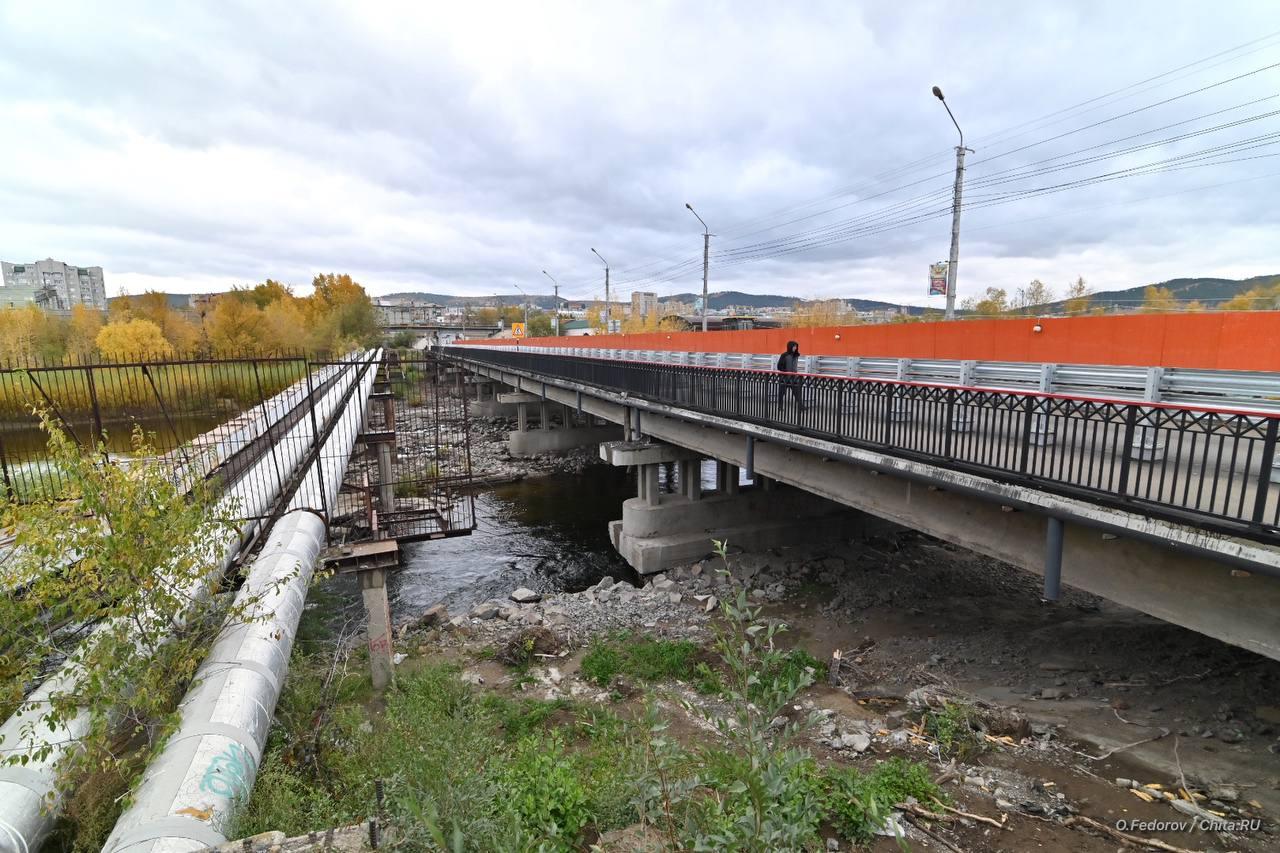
(1032, 719)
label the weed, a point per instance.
(955, 731)
(857, 803)
(525, 716)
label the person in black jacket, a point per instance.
(789, 362)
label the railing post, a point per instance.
(1267, 472)
(1024, 446)
(1126, 445)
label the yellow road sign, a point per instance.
(517, 330)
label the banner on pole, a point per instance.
(938, 278)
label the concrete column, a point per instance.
(626, 426)
(389, 413)
(566, 414)
(386, 484)
(730, 479)
(373, 587)
(721, 476)
(691, 479)
(522, 417)
(651, 494)
(544, 415)
(642, 484)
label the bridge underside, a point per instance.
(1217, 585)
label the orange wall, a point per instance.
(1226, 340)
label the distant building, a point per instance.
(53, 285)
(643, 304)
(406, 312)
(575, 328)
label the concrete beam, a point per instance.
(1179, 573)
(539, 441)
(519, 397)
(628, 453)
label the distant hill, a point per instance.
(718, 300)
(725, 298)
(1210, 291)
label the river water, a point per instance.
(547, 533)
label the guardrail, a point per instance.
(1213, 467)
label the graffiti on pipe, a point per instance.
(229, 772)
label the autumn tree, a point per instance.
(1077, 297)
(1260, 298)
(1157, 300)
(1034, 294)
(82, 331)
(128, 339)
(235, 325)
(994, 301)
(823, 312)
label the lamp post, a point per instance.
(955, 211)
(706, 262)
(526, 308)
(607, 328)
(555, 318)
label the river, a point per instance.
(547, 533)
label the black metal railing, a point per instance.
(248, 423)
(1207, 467)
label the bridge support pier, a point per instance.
(660, 531)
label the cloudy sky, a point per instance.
(464, 147)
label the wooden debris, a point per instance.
(998, 824)
(1153, 843)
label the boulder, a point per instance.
(524, 595)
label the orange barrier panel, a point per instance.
(1226, 340)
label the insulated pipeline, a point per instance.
(29, 799)
(208, 767)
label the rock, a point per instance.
(663, 584)
(777, 722)
(486, 611)
(458, 623)
(833, 845)
(858, 742)
(398, 658)
(1225, 794)
(554, 674)
(1053, 693)
(1005, 806)
(437, 615)
(711, 604)
(524, 595)
(1231, 736)
(674, 597)
(470, 676)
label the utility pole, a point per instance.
(607, 327)
(526, 308)
(706, 262)
(955, 211)
(555, 318)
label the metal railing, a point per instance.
(1224, 389)
(1211, 467)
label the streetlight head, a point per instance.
(937, 93)
(686, 204)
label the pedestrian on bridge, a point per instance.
(789, 362)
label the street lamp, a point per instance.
(955, 211)
(526, 308)
(555, 318)
(706, 262)
(607, 329)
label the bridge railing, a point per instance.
(1212, 467)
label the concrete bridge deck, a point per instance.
(1168, 522)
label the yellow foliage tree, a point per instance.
(1077, 297)
(235, 325)
(82, 331)
(1157, 300)
(995, 301)
(824, 312)
(1260, 298)
(123, 340)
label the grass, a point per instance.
(643, 658)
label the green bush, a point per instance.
(955, 731)
(857, 803)
(543, 787)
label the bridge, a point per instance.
(1131, 457)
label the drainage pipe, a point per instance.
(29, 799)
(207, 769)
